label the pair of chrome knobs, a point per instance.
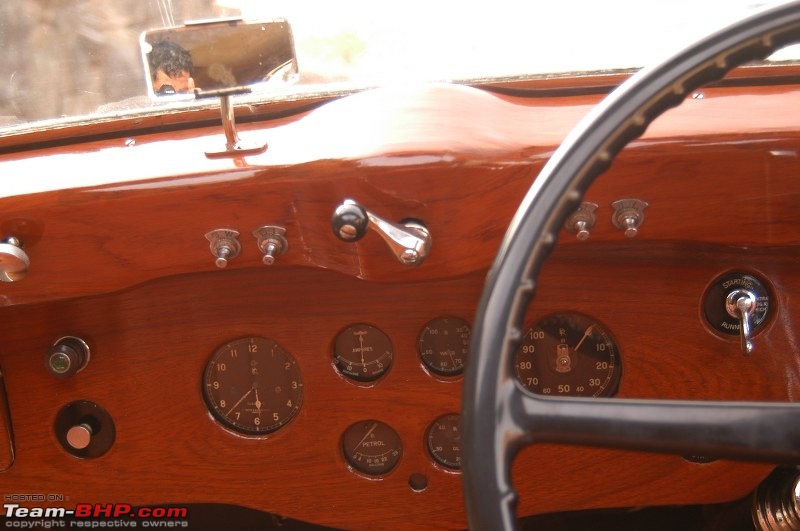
(628, 217)
(224, 244)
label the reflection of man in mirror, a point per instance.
(171, 67)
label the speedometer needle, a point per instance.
(585, 335)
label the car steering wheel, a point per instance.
(498, 417)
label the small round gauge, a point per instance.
(568, 354)
(444, 345)
(372, 447)
(362, 353)
(444, 441)
(253, 386)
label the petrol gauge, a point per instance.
(443, 439)
(362, 353)
(253, 386)
(372, 447)
(444, 345)
(568, 354)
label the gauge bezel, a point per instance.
(357, 469)
(353, 378)
(438, 462)
(426, 364)
(609, 388)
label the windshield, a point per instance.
(71, 58)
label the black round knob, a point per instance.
(68, 356)
(349, 222)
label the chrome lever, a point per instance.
(410, 241)
(741, 304)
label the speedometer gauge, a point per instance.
(568, 354)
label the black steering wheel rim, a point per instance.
(498, 417)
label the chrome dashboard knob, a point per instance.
(409, 241)
(224, 245)
(272, 242)
(628, 215)
(581, 222)
(80, 436)
(14, 261)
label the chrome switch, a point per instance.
(272, 242)
(224, 245)
(409, 241)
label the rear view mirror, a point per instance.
(215, 55)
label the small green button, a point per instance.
(60, 362)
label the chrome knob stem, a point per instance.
(271, 241)
(628, 215)
(581, 222)
(224, 245)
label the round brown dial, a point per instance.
(444, 441)
(362, 352)
(444, 345)
(568, 354)
(253, 386)
(372, 447)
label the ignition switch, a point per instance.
(737, 304)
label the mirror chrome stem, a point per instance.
(228, 122)
(233, 146)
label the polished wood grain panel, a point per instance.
(456, 158)
(150, 345)
(115, 236)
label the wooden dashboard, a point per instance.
(114, 227)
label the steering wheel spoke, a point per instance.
(734, 430)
